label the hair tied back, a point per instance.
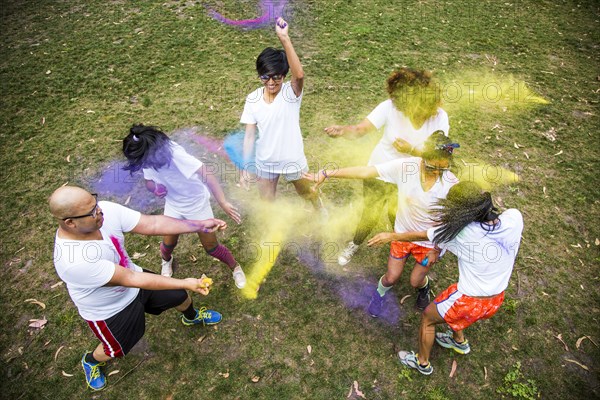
(447, 147)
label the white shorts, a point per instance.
(202, 212)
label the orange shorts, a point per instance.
(459, 310)
(400, 250)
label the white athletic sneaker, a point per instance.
(167, 267)
(239, 277)
(347, 254)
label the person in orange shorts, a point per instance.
(486, 244)
(421, 182)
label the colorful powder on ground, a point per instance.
(271, 10)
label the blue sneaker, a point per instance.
(204, 317)
(376, 305)
(93, 374)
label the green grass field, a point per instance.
(75, 75)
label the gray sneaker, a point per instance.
(446, 340)
(411, 360)
(347, 254)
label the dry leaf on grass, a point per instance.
(65, 374)
(127, 201)
(37, 302)
(69, 158)
(578, 363)
(581, 339)
(309, 349)
(404, 299)
(255, 379)
(114, 372)
(57, 284)
(224, 374)
(37, 323)
(559, 153)
(138, 255)
(357, 390)
(453, 370)
(484, 373)
(559, 337)
(58, 351)
(201, 338)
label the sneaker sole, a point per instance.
(450, 346)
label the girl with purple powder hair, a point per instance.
(186, 184)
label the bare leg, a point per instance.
(394, 270)
(213, 248)
(267, 188)
(304, 189)
(99, 355)
(459, 336)
(429, 319)
(170, 242)
(184, 306)
(418, 275)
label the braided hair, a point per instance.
(146, 147)
(465, 203)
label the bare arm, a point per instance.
(281, 28)
(217, 192)
(249, 139)
(351, 131)
(344, 173)
(386, 237)
(144, 280)
(156, 188)
(160, 225)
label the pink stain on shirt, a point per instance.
(123, 259)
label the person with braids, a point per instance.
(486, 244)
(184, 182)
(408, 117)
(421, 182)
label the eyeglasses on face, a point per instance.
(275, 77)
(435, 168)
(92, 213)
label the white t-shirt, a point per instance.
(87, 265)
(413, 202)
(397, 125)
(486, 259)
(186, 192)
(279, 147)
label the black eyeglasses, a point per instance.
(92, 213)
(434, 168)
(275, 77)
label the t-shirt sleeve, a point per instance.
(398, 171)
(289, 95)
(187, 164)
(89, 275)
(247, 115)
(514, 219)
(149, 174)
(380, 114)
(127, 217)
(431, 234)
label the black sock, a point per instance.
(190, 312)
(89, 358)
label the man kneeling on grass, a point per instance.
(110, 291)
(486, 245)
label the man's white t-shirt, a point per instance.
(186, 192)
(87, 265)
(279, 147)
(486, 258)
(397, 125)
(414, 204)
